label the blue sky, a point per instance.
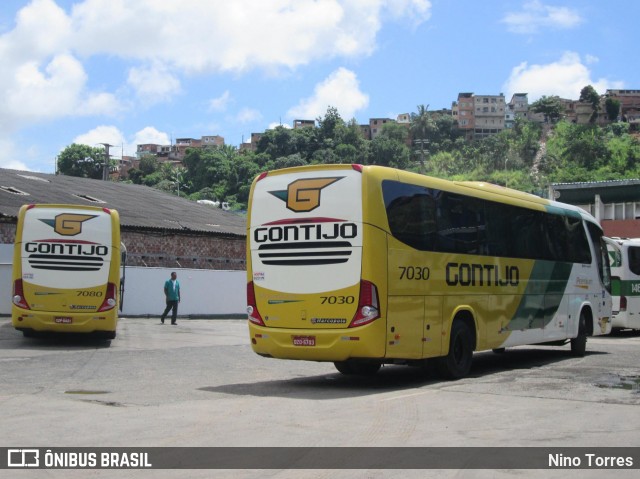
(149, 71)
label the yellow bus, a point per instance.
(66, 270)
(366, 265)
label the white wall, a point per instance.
(204, 292)
(6, 288)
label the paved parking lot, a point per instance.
(198, 384)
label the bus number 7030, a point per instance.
(414, 272)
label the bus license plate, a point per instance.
(63, 320)
(304, 340)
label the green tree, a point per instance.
(612, 107)
(444, 132)
(279, 141)
(81, 160)
(148, 165)
(589, 95)
(550, 106)
(388, 152)
(330, 126)
(395, 131)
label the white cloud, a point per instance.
(235, 36)
(536, 16)
(102, 134)
(220, 103)
(37, 94)
(417, 11)
(151, 135)
(154, 83)
(276, 124)
(119, 143)
(42, 79)
(46, 55)
(248, 115)
(591, 59)
(41, 56)
(564, 78)
(9, 155)
(340, 90)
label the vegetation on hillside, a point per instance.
(527, 157)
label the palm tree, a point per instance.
(177, 176)
(421, 125)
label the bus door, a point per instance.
(601, 296)
(615, 260)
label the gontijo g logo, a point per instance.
(303, 195)
(68, 224)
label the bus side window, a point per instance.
(461, 224)
(633, 253)
(499, 236)
(529, 239)
(411, 214)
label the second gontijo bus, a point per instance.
(66, 270)
(366, 265)
(624, 255)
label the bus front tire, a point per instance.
(359, 368)
(579, 343)
(457, 363)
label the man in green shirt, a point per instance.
(172, 295)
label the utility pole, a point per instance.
(105, 168)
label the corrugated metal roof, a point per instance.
(610, 191)
(140, 207)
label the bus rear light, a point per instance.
(368, 305)
(110, 299)
(252, 309)
(18, 295)
(623, 303)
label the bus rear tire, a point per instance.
(579, 343)
(359, 368)
(457, 363)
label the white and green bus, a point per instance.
(366, 265)
(625, 282)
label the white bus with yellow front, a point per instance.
(66, 270)
(366, 265)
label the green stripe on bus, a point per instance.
(542, 297)
(625, 287)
